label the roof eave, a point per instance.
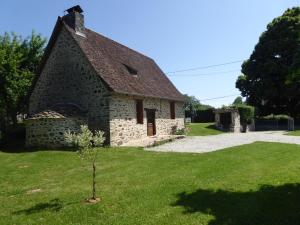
(147, 96)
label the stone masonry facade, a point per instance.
(123, 121)
(49, 132)
(235, 125)
(69, 78)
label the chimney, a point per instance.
(75, 19)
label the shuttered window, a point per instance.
(139, 112)
(172, 110)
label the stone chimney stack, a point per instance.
(75, 19)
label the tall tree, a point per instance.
(238, 101)
(270, 78)
(19, 59)
(190, 103)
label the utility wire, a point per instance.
(208, 99)
(203, 74)
(226, 96)
(216, 65)
(205, 67)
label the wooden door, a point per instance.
(151, 128)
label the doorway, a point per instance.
(225, 120)
(151, 127)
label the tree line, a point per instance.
(19, 59)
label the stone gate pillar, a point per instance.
(291, 125)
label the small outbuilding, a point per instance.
(228, 119)
(47, 128)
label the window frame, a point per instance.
(131, 70)
(172, 110)
(139, 111)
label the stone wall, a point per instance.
(235, 125)
(235, 122)
(49, 132)
(68, 78)
(123, 122)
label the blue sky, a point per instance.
(176, 34)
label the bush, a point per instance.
(180, 132)
(276, 117)
(246, 113)
(274, 122)
(204, 116)
(13, 134)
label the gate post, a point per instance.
(253, 128)
(291, 125)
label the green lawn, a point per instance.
(202, 129)
(294, 133)
(251, 184)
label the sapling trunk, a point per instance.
(94, 181)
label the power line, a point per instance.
(204, 74)
(205, 67)
(216, 65)
(226, 96)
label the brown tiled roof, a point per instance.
(46, 114)
(60, 111)
(111, 61)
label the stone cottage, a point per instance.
(86, 78)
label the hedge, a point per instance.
(246, 113)
(202, 115)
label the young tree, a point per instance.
(87, 144)
(270, 78)
(19, 59)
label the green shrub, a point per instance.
(204, 115)
(276, 117)
(180, 132)
(13, 134)
(246, 113)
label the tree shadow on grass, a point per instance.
(54, 205)
(19, 147)
(270, 205)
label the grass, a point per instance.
(294, 133)
(257, 184)
(202, 129)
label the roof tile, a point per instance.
(108, 59)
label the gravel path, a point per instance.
(216, 142)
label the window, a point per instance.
(139, 112)
(131, 70)
(172, 110)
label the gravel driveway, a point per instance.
(199, 144)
